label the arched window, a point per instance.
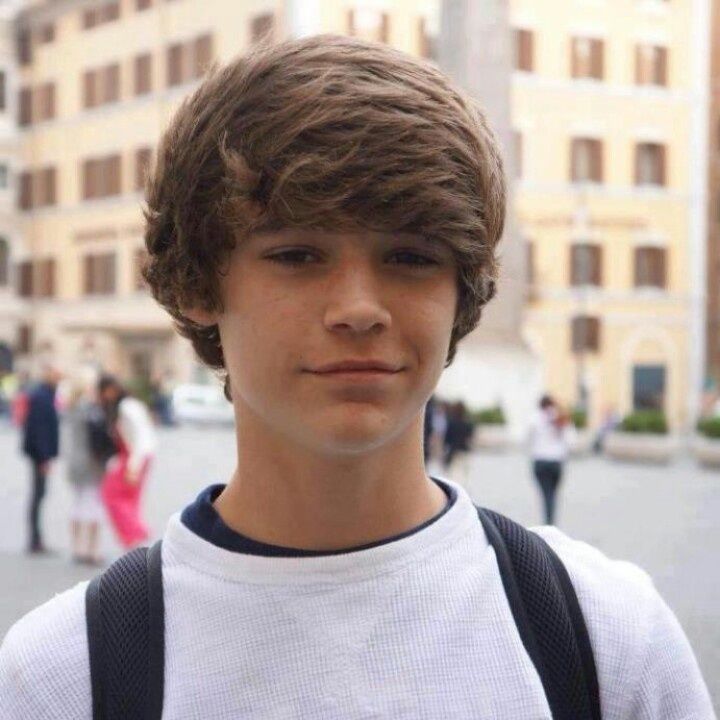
(4, 261)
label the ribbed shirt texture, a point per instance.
(417, 627)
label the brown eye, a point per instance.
(292, 257)
(414, 259)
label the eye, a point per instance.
(412, 258)
(293, 256)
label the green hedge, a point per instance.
(645, 421)
(488, 416)
(709, 427)
(579, 419)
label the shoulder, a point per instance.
(646, 667)
(44, 664)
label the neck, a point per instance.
(295, 497)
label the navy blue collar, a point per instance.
(203, 519)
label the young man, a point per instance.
(322, 225)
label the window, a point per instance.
(25, 107)
(99, 274)
(143, 74)
(650, 267)
(3, 100)
(38, 188)
(262, 28)
(24, 339)
(141, 5)
(524, 50)
(46, 34)
(587, 58)
(586, 160)
(24, 47)
(4, 262)
(45, 278)
(189, 60)
(585, 265)
(649, 387)
(25, 194)
(585, 334)
(143, 157)
(101, 177)
(650, 162)
(368, 24)
(25, 278)
(101, 86)
(4, 176)
(651, 65)
(100, 14)
(46, 101)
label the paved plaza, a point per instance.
(663, 518)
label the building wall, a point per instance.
(638, 326)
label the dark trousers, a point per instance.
(548, 474)
(39, 481)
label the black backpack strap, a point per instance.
(548, 617)
(126, 637)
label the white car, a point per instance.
(194, 403)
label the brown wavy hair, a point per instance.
(325, 132)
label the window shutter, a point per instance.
(25, 106)
(203, 55)
(49, 186)
(142, 165)
(113, 179)
(143, 70)
(89, 94)
(25, 277)
(661, 165)
(661, 66)
(597, 266)
(3, 93)
(524, 50)
(174, 65)
(141, 5)
(597, 48)
(90, 18)
(111, 83)
(351, 26)
(385, 27)
(24, 47)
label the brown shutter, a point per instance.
(575, 159)
(385, 28)
(143, 70)
(202, 55)
(142, 165)
(638, 163)
(87, 184)
(111, 83)
(25, 105)
(46, 34)
(24, 339)
(174, 64)
(661, 66)
(89, 92)
(574, 265)
(596, 160)
(597, 266)
(46, 278)
(661, 276)
(110, 12)
(140, 261)
(597, 52)
(24, 47)
(113, 179)
(89, 274)
(351, 26)
(48, 184)
(90, 18)
(4, 261)
(25, 198)
(661, 165)
(3, 101)
(639, 267)
(524, 50)
(48, 95)
(141, 5)
(25, 278)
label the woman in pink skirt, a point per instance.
(127, 472)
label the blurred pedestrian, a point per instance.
(457, 442)
(611, 419)
(434, 435)
(127, 472)
(88, 447)
(41, 444)
(551, 433)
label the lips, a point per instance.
(357, 366)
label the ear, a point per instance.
(200, 316)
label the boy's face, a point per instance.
(297, 301)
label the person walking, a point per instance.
(550, 436)
(88, 447)
(457, 441)
(127, 472)
(41, 445)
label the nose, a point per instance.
(354, 303)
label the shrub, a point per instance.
(645, 421)
(579, 419)
(488, 416)
(709, 427)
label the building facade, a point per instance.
(98, 82)
(609, 112)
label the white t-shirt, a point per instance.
(416, 628)
(547, 442)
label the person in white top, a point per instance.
(322, 225)
(127, 472)
(551, 433)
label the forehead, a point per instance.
(355, 236)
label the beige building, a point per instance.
(98, 82)
(609, 104)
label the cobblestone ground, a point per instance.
(663, 518)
